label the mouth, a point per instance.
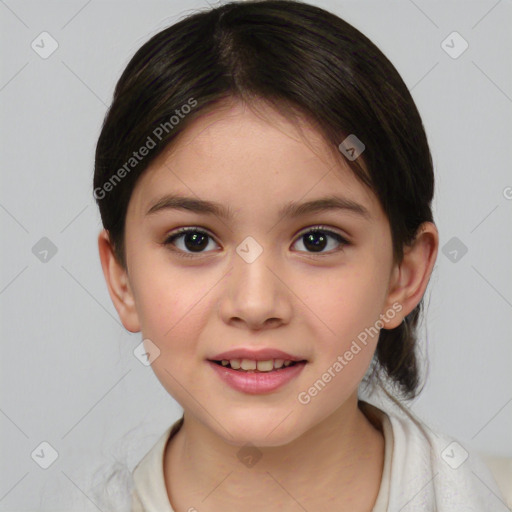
(257, 377)
(254, 366)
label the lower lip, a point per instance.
(256, 383)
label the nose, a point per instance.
(255, 295)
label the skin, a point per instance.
(290, 298)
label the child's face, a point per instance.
(309, 304)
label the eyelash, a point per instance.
(181, 231)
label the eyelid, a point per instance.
(179, 231)
(325, 229)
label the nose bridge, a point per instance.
(250, 268)
(254, 294)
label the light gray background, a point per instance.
(69, 376)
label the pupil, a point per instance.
(315, 241)
(197, 241)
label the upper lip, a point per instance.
(262, 354)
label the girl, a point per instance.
(265, 185)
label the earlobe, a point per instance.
(411, 277)
(118, 284)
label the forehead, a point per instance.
(251, 160)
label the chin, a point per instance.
(260, 429)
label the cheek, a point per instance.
(344, 306)
(162, 291)
(170, 301)
(173, 310)
(347, 307)
(346, 300)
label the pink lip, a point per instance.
(256, 383)
(263, 354)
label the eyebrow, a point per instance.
(289, 210)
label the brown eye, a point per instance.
(316, 239)
(191, 240)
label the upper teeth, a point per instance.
(250, 364)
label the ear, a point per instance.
(410, 278)
(118, 284)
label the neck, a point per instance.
(342, 456)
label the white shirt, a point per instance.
(424, 471)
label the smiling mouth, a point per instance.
(252, 366)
